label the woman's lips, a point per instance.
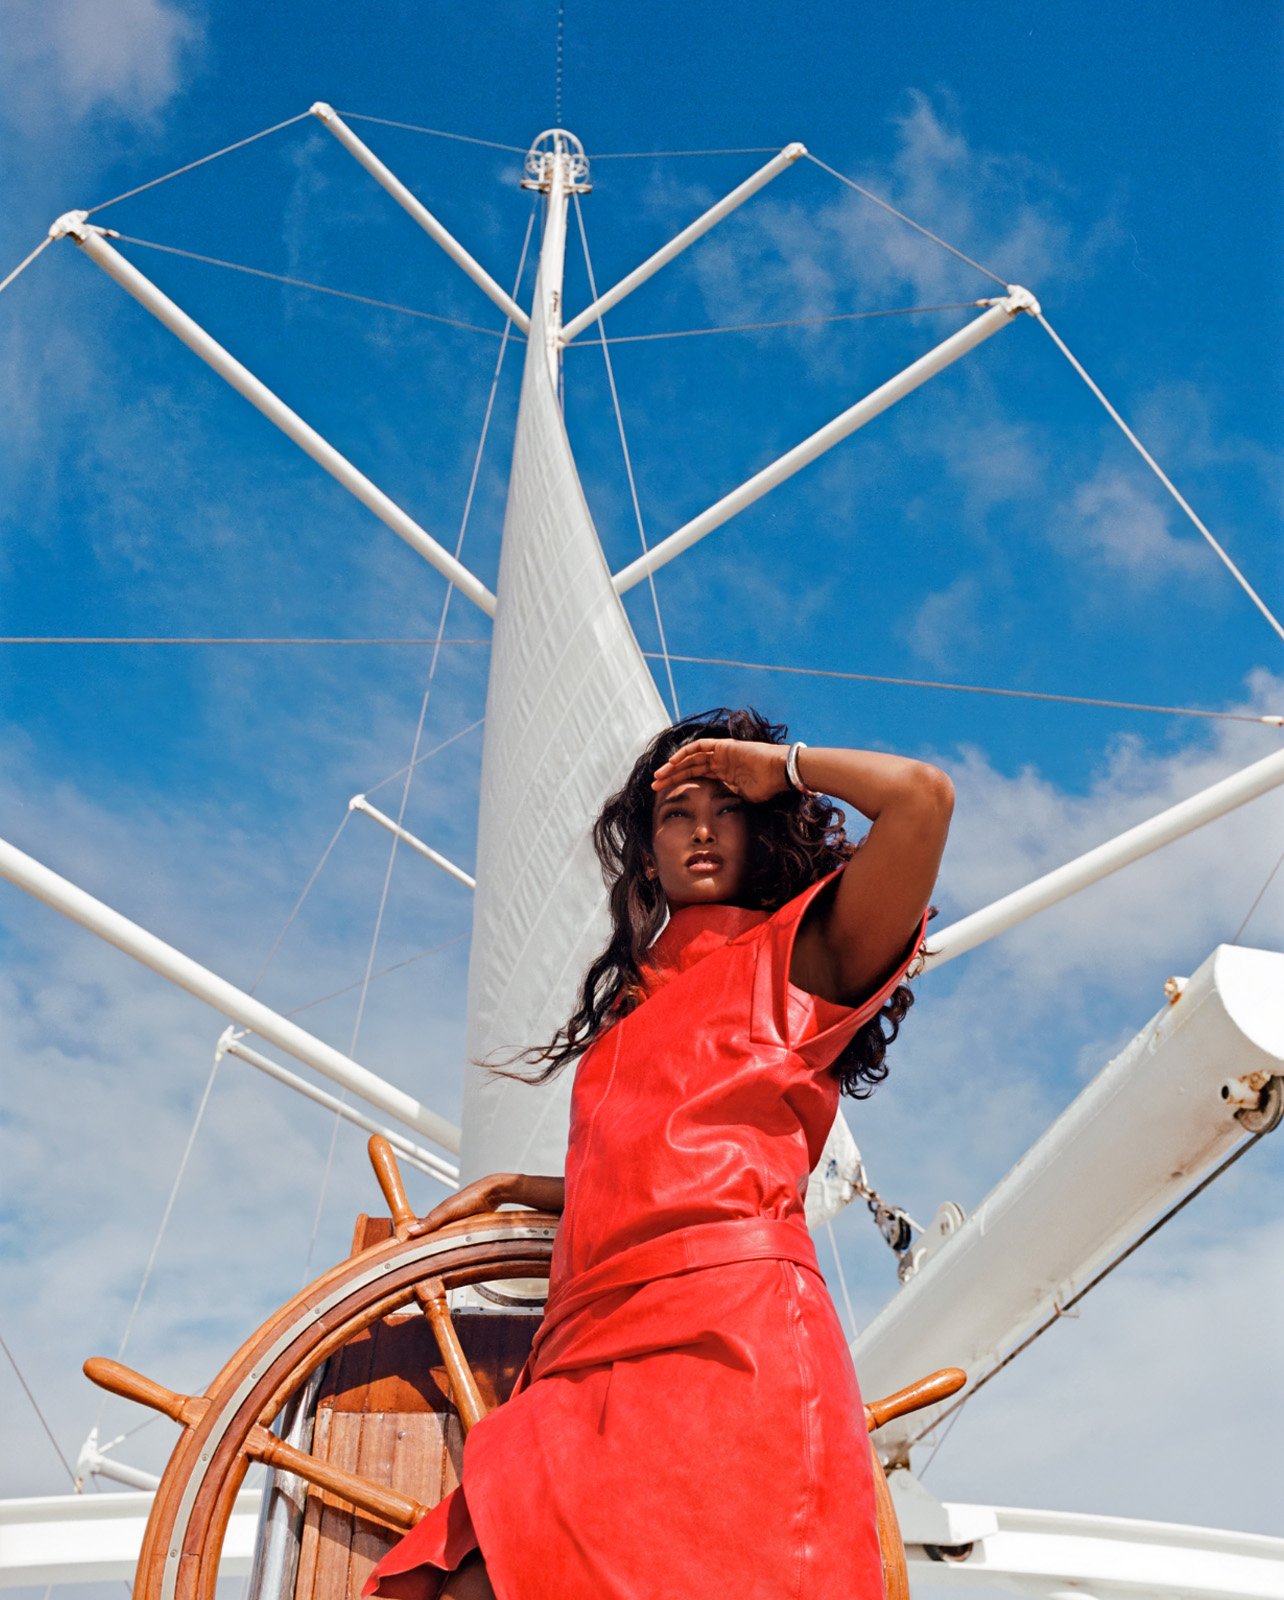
(704, 863)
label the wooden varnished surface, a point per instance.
(383, 1412)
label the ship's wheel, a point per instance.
(230, 1426)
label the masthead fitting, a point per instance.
(549, 147)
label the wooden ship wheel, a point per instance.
(391, 1393)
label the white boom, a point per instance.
(913, 377)
(684, 240)
(1183, 818)
(1089, 1185)
(80, 906)
(415, 208)
(360, 803)
(91, 241)
(231, 1044)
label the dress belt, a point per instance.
(704, 1244)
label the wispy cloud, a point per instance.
(781, 257)
(78, 58)
(1124, 525)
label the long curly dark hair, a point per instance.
(796, 840)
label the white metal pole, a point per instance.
(552, 255)
(143, 290)
(421, 214)
(91, 1462)
(687, 237)
(360, 803)
(75, 903)
(230, 1044)
(958, 344)
(1144, 1132)
(1127, 847)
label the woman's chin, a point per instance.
(705, 889)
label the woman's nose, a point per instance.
(703, 828)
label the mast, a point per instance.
(570, 703)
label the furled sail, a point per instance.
(570, 704)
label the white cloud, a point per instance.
(948, 624)
(779, 257)
(69, 59)
(1127, 526)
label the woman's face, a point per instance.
(699, 843)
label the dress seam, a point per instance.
(808, 1499)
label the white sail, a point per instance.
(570, 704)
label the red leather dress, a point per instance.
(689, 1422)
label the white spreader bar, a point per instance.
(999, 315)
(90, 239)
(688, 236)
(360, 803)
(75, 903)
(1183, 818)
(231, 1044)
(421, 214)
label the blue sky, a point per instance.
(994, 529)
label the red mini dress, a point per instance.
(689, 1422)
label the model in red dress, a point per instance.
(689, 1422)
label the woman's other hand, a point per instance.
(752, 770)
(487, 1194)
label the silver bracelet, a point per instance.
(791, 768)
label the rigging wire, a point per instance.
(1063, 1310)
(667, 155)
(414, 752)
(761, 327)
(382, 973)
(1270, 878)
(917, 226)
(628, 460)
(298, 904)
(192, 639)
(26, 262)
(435, 133)
(315, 288)
(852, 1327)
(1162, 476)
(199, 162)
(166, 1214)
(1269, 721)
(561, 35)
(427, 755)
(35, 1406)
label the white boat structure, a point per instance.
(571, 699)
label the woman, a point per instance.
(688, 1424)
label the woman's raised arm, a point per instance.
(886, 886)
(857, 940)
